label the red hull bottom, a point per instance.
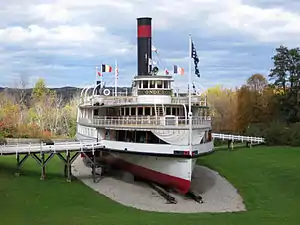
(180, 185)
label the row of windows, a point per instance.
(150, 111)
(153, 84)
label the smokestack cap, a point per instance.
(144, 21)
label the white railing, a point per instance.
(123, 100)
(199, 100)
(56, 147)
(238, 138)
(112, 100)
(146, 122)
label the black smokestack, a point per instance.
(144, 52)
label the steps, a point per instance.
(159, 111)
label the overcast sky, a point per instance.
(63, 40)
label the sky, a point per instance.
(63, 41)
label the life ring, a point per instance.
(106, 92)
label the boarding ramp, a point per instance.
(42, 153)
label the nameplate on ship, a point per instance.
(154, 92)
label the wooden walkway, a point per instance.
(43, 153)
(73, 146)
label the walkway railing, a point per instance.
(55, 147)
(241, 138)
(150, 122)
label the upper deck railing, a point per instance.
(125, 100)
(146, 122)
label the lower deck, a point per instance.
(166, 142)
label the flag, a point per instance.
(166, 71)
(196, 59)
(106, 68)
(98, 72)
(153, 49)
(152, 62)
(178, 70)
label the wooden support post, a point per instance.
(230, 144)
(43, 174)
(94, 167)
(92, 160)
(17, 173)
(68, 171)
(43, 162)
(249, 144)
(68, 163)
(20, 162)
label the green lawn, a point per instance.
(267, 178)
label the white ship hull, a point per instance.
(168, 169)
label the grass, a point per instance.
(267, 178)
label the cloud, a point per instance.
(63, 40)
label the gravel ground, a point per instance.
(218, 194)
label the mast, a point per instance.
(189, 92)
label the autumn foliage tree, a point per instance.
(46, 115)
(222, 102)
(256, 103)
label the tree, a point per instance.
(257, 83)
(244, 108)
(279, 72)
(286, 76)
(222, 102)
(40, 90)
(21, 86)
(256, 103)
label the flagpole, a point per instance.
(96, 73)
(189, 92)
(101, 77)
(116, 78)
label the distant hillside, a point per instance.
(67, 93)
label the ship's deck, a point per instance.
(133, 100)
(146, 122)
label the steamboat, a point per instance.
(150, 131)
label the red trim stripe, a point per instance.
(144, 31)
(179, 184)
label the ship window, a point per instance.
(168, 109)
(174, 111)
(152, 84)
(140, 111)
(133, 111)
(166, 84)
(96, 112)
(159, 84)
(147, 111)
(122, 111)
(126, 111)
(140, 84)
(145, 84)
